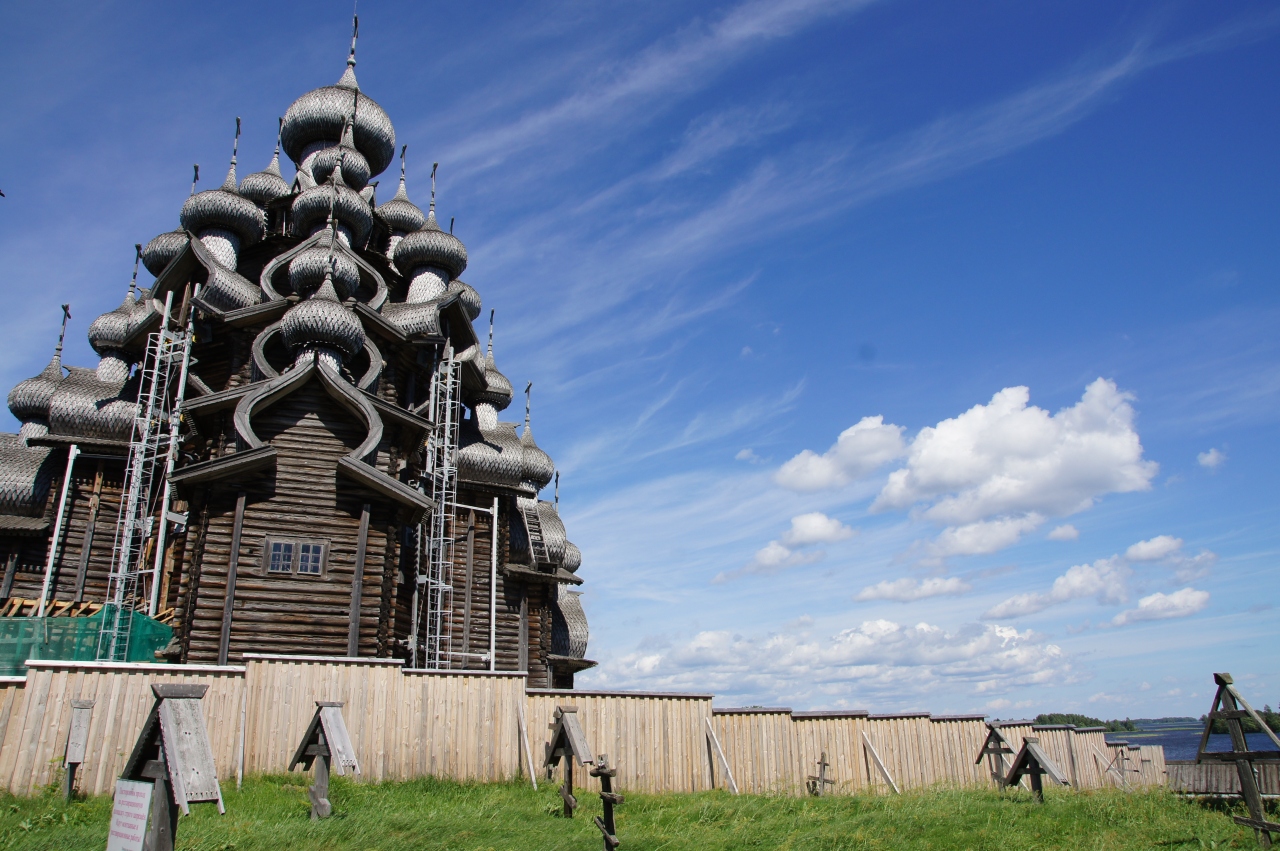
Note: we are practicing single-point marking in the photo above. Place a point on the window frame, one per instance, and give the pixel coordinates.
(295, 544)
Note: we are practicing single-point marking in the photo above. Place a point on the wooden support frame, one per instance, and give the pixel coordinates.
(357, 583)
(870, 749)
(995, 748)
(10, 568)
(470, 580)
(233, 562)
(570, 743)
(1034, 763)
(325, 743)
(524, 743)
(173, 753)
(86, 542)
(714, 751)
(1233, 708)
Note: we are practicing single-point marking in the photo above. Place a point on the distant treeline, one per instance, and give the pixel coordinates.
(1272, 720)
(1125, 726)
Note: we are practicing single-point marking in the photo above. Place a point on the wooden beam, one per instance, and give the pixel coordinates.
(714, 744)
(10, 567)
(875, 757)
(86, 543)
(357, 584)
(233, 561)
(524, 741)
(466, 610)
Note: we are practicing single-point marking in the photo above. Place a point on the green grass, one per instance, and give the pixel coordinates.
(271, 813)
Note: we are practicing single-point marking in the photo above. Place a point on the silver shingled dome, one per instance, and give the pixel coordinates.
(431, 246)
(320, 116)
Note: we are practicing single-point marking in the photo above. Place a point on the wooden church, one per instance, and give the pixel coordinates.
(291, 443)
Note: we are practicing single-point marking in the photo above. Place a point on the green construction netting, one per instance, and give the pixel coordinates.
(72, 639)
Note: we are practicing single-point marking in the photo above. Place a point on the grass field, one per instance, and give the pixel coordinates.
(271, 813)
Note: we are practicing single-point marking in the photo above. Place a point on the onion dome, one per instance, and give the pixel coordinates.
(161, 251)
(401, 215)
(108, 332)
(321, 115)
(86, 405)
(226, 289)
(321, 322)
(489, 455)
(312, 207)
(308, 269)
(497, 390)
(263, 187)
(431, 246)
(572, 557)
(225, 208)
(30, 399)
(538, 466)
(467, 297)
(355, 168)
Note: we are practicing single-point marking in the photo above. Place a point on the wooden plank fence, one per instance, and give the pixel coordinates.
(474, 725)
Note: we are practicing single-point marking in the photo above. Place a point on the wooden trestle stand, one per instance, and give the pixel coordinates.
(173, 754)
(1231, 711)
(569, 743)
(1035, 763)
(995, 749)
(77, 743)
(326, 740)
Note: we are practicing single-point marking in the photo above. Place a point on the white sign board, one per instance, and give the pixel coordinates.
(129, 815)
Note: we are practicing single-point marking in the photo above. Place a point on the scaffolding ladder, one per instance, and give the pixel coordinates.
(432, 628)
(152, 451)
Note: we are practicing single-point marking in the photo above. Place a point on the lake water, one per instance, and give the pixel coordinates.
(1182, 743)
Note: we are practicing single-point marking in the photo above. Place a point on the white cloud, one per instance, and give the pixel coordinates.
(748, 455)
(1065, 532)
(858, 451)
(1179, 604)
(1006, 458)
(1161, 546)
(877, 657)
(1106, 578)
(910, 590)
(806, 530)
(986, 536)
(1212, 459)
(815, 528)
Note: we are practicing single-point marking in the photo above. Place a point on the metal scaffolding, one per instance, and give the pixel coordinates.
(138, 554)
(431, 635)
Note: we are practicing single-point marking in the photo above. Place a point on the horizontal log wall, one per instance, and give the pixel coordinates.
(466, 726)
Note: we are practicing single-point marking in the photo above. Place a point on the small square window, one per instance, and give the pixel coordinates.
(281, 557)
(311, 558)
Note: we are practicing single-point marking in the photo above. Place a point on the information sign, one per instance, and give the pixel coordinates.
(129, 815)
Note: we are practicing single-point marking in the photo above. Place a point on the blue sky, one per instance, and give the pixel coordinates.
(1036, 241)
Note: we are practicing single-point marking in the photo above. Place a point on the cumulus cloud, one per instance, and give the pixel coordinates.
(1212, 459)
(859, 451)
(1179, 604)
(909, 590)
(1065, 532)
(1161, 546)
(986, 536)
(748, 455)
(877, 657)
(1010, 461)
(805, 531)
(815, 528)
(1107, 579)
